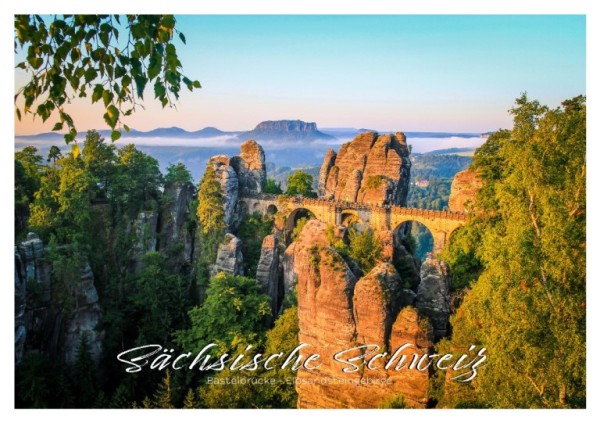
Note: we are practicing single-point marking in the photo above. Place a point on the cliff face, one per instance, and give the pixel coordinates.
(371, 168)
(229, 257)
(250, 168)
(41, 319)
(229, 181)
(463, 191)
(433, 294)
(145, 230)
(268, 272)
(174, 233)
(338, 311)
(245, 174)
(289, 130)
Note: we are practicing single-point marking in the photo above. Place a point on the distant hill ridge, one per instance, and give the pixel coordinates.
(270, 130)
(172, 132)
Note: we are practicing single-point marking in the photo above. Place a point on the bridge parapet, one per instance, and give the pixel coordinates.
(441, 223)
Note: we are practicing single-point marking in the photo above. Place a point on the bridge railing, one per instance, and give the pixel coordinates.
(424, 213)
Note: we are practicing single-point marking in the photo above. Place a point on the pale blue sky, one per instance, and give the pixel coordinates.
(411, 73)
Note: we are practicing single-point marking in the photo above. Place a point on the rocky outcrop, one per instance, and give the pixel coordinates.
(229, 257)
(433, 294)
(376, 298)
(290, 278)
(463, 191)
(244, 174)
(145, 229)
(286, 130)
(371, 168)
(268, 271)
(84, 320)
(175, 238)
(250, 168)
(328, 162)
(30, 267)
(228, 178)
(53, 322)
(337, 311)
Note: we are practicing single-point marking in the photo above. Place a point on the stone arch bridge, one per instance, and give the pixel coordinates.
(441, 224)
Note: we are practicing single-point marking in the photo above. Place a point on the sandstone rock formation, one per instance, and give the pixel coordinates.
(371, 169)
(465, 186)
(144, 227)
(84, 320)
(229, 181)
(244, 174)
(43, 322)
(328, 162)
(433, 294)
(229, 257)
(267, 271)
(290, 278)
(173, 230)
(250, 168)
(337, 311)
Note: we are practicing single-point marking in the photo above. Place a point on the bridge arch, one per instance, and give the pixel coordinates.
(440, 224)
(272, 209)
(293, 217)
(349, 217)
(422, 235)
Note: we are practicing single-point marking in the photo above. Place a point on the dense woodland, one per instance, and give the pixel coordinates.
(518, 268)
(520, 264)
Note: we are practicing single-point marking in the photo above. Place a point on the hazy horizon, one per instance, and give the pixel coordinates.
(452, 73)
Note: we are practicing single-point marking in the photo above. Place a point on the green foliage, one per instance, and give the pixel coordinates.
(190, 400)
(53, 154)
(177, 174)
(234, 309)
(163, 396)
(148, 305)
(279, 394)
(82, 55)
(300, 224)
(100, 160)
(253, 229)
(85, 375)
(67, 264)
(137, 185)
(364, 248)
(421, 240)
(300, 183)
(394, 402)
(211, 215)
(439, 166)
(374, 182)
(272, 187)
(41, 383)
(27, 182)
(461, 254)
(528, 305)
(434, 196)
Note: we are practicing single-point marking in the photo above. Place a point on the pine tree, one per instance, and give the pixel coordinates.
(211, 214)
(85, 394)
(163, 396)
(190, 400)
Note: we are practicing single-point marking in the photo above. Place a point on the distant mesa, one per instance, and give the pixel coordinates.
(288, 130)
